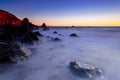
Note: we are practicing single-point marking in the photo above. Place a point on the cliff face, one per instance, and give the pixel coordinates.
(8, 18)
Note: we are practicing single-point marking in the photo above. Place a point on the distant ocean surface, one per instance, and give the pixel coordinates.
(90, 28)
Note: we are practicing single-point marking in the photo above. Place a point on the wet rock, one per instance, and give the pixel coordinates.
(55, 32)
(74, 35)
(13, 52)
(85, 70)
(38, 33)
(29, 37)
(56, 39)
(19, 55)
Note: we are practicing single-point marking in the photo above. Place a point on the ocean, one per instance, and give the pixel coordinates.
(50, 59)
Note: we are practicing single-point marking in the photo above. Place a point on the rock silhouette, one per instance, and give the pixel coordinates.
(14, 30)
(44, 27)
(55, 32)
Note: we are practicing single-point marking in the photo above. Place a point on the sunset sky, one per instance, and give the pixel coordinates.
(66, 12)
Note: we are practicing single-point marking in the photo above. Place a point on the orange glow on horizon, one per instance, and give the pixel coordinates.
(80, 23)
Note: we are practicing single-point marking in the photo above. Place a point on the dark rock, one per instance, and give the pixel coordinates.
(73, 26)
(74, 35)
(29, 37)
(56, 39)
(7, 33)
(55, 32)
(25, 20)
(38, 33)
(85, 70)
(26, 27)
(44, 27)
(22, 33)
(13, 52)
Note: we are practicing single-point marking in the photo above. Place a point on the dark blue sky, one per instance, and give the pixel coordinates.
(59, 11)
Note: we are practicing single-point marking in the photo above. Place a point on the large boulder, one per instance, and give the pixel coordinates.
(85, 70)
(13, 52)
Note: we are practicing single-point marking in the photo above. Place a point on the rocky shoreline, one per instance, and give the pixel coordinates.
(14, 31)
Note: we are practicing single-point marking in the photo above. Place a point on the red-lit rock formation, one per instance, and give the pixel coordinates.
(8, 18)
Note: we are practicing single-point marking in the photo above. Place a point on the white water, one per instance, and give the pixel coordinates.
(50, 59)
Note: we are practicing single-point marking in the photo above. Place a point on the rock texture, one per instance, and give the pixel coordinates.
(85, 70)
(12, 52)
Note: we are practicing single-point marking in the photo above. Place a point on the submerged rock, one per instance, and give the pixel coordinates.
(74, 35)
(13, 52)
(55, 32)
(85, 70)
(56, 39)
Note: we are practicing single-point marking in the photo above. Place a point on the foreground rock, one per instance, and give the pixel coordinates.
(13, 52)
(85, 70)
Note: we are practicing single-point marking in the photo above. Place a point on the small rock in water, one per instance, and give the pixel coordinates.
(74, 35)
(56, 39)
(85, 70)
(44, 26)
(55, 32)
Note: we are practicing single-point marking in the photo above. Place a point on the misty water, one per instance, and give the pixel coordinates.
(50, 59)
